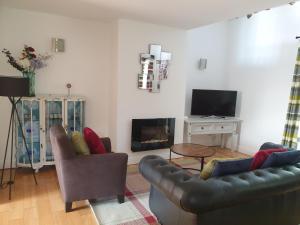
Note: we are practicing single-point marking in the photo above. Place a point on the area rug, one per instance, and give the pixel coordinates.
(135, 210)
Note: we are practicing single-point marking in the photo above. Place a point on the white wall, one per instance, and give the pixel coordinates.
(208, 42)
(133, 39)
(86, 63)
(262, 53)
(256, 57)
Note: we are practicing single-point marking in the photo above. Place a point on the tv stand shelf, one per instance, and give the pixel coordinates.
(214, 125)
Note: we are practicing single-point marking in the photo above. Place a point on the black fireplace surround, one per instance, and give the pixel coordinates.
(151, 134)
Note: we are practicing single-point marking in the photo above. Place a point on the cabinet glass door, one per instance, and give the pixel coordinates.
(54, 116)
(74, 116)
(29, 112)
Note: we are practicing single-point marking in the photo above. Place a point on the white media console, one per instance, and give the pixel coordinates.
(215, 126)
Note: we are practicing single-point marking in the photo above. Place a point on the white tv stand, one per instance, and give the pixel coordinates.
(214, 125)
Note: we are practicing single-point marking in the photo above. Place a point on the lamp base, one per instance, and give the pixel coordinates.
(14, 116)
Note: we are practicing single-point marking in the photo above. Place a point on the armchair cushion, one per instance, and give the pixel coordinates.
(80, 144)
(94, 142)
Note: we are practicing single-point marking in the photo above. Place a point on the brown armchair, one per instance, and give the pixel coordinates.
(87, 177)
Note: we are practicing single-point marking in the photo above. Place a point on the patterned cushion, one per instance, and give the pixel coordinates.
(277, 159)
(80, 144)
(94, 141)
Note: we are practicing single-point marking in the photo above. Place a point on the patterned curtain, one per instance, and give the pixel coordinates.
(290, 135)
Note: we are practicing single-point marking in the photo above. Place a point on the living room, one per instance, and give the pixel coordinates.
(247, 47)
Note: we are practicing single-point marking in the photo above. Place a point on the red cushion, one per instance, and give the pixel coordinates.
(94, 142)
(261, 156)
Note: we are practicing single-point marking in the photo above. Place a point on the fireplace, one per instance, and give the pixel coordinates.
(151, 134)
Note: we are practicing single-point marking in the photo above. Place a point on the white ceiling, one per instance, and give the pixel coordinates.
(177, 13)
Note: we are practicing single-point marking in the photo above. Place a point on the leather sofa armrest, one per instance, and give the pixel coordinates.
(270, 145)
(166, 177)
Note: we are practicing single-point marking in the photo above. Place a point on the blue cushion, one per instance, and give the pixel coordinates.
(277, 159)
(232, 167)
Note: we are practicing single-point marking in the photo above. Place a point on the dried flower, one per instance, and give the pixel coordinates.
(28, 60)
(29, 49)
(25, 63)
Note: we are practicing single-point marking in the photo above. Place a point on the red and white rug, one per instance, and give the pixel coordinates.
(134, 211)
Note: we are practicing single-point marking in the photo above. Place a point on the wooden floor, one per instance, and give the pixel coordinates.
(41, 204)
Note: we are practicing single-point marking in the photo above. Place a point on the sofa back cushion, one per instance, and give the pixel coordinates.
(62, 146)
(278, 159)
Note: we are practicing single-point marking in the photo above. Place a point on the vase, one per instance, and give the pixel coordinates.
(31, 76)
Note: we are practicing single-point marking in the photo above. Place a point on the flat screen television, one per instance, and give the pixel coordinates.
(213, 103)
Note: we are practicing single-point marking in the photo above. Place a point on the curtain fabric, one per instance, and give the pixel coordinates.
(290, 135)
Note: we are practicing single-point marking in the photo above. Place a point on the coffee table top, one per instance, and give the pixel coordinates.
(193, 150)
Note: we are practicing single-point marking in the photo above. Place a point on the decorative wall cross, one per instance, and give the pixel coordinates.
(154, 69)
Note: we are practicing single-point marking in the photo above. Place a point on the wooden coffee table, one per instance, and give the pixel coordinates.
(196, 151)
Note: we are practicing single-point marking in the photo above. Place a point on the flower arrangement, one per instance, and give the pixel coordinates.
(27, 63)
(29, 60)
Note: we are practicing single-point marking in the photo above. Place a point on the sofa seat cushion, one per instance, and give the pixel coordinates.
(94, 142)
(260, 157)
(278, 159)
(79, 144)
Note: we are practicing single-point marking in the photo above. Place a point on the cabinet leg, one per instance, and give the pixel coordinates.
(235, 142)
(189, 138)
(223, 140)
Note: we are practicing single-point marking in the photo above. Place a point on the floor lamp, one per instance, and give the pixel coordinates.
(14, 88)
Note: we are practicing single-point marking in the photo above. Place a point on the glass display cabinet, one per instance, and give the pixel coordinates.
(37, 115)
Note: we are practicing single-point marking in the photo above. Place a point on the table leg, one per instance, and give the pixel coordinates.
(202, 163)
(189, 133)
(222, 140)
(170, 155)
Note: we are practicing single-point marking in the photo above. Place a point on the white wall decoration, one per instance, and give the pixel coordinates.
(154, 69)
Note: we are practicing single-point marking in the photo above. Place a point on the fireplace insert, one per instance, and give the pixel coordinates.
(151, 134)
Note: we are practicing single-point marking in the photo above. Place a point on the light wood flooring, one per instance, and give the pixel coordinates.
(41, 204)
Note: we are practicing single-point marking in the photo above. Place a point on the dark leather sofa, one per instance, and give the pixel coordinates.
(263, 197)
(87, 177)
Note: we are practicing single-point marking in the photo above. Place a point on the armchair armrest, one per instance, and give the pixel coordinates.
(94, 176)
